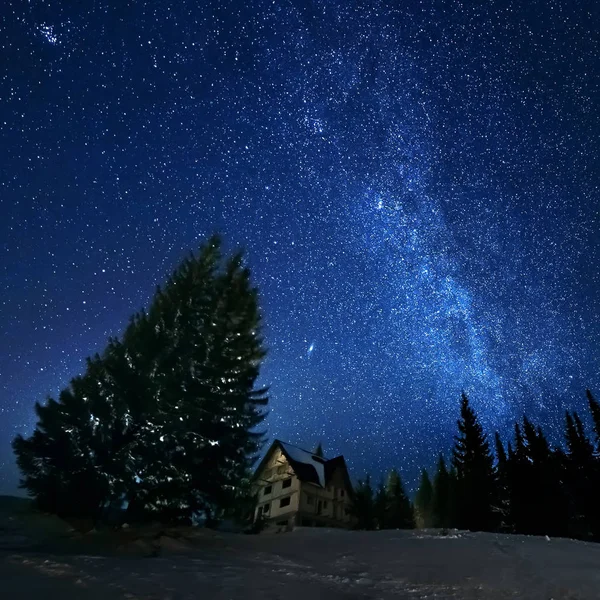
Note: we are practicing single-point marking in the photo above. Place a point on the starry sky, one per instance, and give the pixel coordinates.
(416, 185)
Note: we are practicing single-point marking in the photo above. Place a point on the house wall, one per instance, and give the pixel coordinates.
(274, 473)
(333, 503)
(328, 506)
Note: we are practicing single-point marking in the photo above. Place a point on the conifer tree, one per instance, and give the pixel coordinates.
(518, 483)
(477, 489)
(362, 506)
(380, 507)
(424, 501)
(503, 482)
(399, 512)
(319, 451)
(441, 503)
(581, 473)
(500, 452)
(166, 417)
(594, 406)
(453, 512)
(538, 501)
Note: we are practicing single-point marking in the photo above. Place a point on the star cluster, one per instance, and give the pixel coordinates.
(416, 185)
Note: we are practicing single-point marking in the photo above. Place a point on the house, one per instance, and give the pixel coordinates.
(297, 487)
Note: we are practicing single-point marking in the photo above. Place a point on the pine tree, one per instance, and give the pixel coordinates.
(581, 473)
(319, 451)
(399, 512)
(594, 406)
(503, 482)
(538, 501)
(63, 465)
(362, 505)
(380, 507)
(453, 503)
(474, 465)
(500, 452)
(166, 417)
(424, 501)
(441, 503)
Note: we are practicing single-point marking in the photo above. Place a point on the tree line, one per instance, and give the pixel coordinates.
(163, 421)
(524, 486)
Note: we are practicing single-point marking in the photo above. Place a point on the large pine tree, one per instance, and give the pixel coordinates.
(166, 418)
(476, 478)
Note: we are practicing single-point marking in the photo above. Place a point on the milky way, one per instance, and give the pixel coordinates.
(416, 186)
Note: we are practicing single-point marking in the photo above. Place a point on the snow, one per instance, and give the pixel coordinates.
(305, 457)
(306, 563)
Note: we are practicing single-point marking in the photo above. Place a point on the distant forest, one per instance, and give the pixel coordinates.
(525, 486)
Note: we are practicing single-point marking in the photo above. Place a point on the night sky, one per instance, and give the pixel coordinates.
(416, 185)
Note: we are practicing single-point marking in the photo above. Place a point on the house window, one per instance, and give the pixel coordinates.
(268, 490)
(286, 483)
(285, 501)
(324, 505)
(266, 508)
(342, 493)
(309, 499)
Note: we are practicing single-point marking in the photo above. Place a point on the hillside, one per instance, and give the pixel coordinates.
(308, 563)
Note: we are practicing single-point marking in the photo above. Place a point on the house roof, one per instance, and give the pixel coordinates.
(307, 466)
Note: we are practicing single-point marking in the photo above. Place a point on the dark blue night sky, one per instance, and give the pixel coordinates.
(417, 185)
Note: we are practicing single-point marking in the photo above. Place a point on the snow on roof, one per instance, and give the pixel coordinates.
(307, 458)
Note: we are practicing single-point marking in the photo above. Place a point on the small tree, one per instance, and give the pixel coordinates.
(399, 511)
(594, 406)
(319, 451)
(380, 507)
(424, 501)
(581, 471)
(441, 502)
(503, 493)
(362, 505)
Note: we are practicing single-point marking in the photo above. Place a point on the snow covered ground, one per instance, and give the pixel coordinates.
(309, 564)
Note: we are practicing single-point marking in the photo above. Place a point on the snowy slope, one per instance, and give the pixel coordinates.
(319, 563)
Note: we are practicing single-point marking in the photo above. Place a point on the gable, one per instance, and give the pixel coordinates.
(308, 467)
